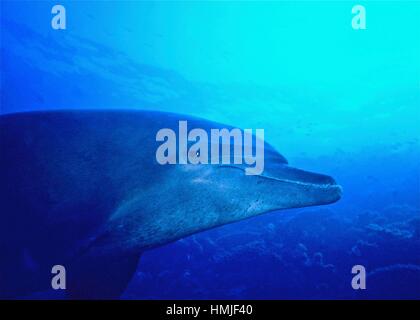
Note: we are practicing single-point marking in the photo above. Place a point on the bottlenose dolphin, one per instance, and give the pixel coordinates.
(83, 189)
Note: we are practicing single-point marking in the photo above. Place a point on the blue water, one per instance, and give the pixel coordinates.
(331, 99)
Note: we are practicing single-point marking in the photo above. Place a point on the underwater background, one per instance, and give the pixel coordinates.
(331, 99)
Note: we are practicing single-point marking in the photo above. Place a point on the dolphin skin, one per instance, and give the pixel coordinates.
(83, 189)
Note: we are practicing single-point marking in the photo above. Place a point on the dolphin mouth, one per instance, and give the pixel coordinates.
(319, 183)
(306, 180)
(332, 187)
(328, 185)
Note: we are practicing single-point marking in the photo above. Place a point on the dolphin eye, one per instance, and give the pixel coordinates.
(197, 154)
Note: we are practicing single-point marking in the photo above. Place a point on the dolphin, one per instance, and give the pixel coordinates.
(83, 189)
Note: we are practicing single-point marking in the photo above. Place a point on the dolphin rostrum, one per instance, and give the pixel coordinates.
(83, 189)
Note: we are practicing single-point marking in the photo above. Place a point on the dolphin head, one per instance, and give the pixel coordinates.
(175, 200)
(214, 195)
(282, 187)
(279, 186)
